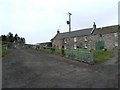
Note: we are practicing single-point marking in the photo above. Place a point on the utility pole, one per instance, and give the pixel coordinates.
(69, 22)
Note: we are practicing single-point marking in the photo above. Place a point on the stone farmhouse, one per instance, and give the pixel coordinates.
(89, 38)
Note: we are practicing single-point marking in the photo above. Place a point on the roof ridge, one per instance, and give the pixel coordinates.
(107, 26)
(76, 30)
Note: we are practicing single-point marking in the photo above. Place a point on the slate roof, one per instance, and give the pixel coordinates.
(76, 33)
(85, 32)
(106, 30)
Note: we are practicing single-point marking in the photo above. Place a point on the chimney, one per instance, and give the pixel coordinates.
(94, 27)
(58, 31)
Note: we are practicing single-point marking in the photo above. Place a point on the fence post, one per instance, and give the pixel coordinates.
(91, 57)
(63, 51)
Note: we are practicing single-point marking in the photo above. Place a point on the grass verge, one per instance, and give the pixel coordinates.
(3, 51)
(101, 56)
(98, 56)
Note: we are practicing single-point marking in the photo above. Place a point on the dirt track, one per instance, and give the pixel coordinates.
(33, 69)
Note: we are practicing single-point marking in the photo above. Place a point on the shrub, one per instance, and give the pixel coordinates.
(52, 50)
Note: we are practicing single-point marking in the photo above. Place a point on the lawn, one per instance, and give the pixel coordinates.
(101, 56)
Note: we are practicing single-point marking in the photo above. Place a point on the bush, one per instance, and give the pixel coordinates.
(52, 50)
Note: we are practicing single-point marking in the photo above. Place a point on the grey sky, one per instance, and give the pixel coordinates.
(38, 20)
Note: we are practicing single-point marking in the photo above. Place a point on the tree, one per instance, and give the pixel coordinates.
(16, 38)
(10, 37)
(22, 40)
(4, 38)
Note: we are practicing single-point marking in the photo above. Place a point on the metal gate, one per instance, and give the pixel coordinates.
(80, 54)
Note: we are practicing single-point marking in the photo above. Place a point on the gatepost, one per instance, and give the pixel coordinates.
(91, 57)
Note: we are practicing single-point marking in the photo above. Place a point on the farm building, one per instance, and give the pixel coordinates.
(46, 44)
(89, 38)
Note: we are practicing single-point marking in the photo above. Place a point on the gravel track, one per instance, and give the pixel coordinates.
(35, 69)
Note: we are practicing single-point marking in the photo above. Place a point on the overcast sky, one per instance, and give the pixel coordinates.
(38, 20)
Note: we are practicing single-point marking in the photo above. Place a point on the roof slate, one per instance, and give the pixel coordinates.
(76, 33)
(87, 31)
(106, 30)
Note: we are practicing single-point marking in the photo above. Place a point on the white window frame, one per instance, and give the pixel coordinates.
(116, 44)
(85, 38)
(65, 41)
(75, 46)
(116, 34)
(75, 39)
(65, 47)
(86, 46)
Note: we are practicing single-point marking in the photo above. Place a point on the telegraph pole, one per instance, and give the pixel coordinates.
(69, 22)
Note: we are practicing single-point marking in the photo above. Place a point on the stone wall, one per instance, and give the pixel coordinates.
(109, 41)
(57, 43)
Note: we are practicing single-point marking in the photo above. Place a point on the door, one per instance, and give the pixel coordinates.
(99, 45)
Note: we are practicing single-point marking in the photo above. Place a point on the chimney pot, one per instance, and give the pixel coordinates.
(94, 25)
(58, 31)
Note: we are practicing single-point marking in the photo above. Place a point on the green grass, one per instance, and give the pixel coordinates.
(3, 51)
(98, 56)
(52, 50)
(101, 56)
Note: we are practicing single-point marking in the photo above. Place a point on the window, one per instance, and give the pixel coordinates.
(116, 34)
(85, 46)
(75, 39)
(65, 47)
(116, 44)
(75, 47)
(85, 38)
(65, 41)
